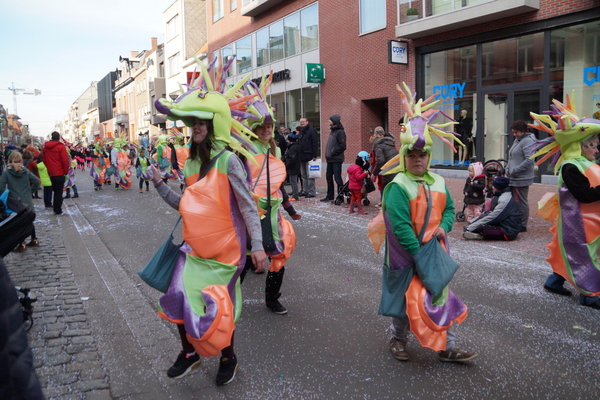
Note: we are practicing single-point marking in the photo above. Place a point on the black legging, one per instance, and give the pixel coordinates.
(189, 348)
(58, 182)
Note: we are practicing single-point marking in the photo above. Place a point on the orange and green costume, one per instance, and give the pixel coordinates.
(576, 230)
(399, 223)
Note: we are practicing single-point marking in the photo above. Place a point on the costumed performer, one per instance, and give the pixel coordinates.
(204, 297)
(181, 153)
(404, 217)
(99, 166)
(575, 209)
(141, 169)
(70, 178)
(268, 154)
(163, 158)
(121, 162)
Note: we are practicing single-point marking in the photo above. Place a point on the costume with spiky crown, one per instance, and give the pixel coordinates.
(401, 219)
(576, 229)
(122, 163)
(99, 168)
(204, 294)
(162, 157)
(182, 153)
(270, 196)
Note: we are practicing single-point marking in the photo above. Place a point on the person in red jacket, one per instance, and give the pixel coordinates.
(56, 160)
(357, 173)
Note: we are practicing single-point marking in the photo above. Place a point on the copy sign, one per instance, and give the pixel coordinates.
(397, 52)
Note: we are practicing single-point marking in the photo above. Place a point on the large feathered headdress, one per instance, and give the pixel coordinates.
(566, 135)
(418, 130)
(210, 99)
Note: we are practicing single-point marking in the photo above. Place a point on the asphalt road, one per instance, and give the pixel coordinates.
(333, 345)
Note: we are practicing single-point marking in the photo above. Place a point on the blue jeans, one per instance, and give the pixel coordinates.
(400, 330)
(555, 281)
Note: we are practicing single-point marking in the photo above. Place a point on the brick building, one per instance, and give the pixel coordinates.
(492, 60)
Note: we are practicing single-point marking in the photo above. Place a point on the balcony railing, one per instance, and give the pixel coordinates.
(437, 16)
(122, 118)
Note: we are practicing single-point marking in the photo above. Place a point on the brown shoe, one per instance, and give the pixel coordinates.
(21, 247)
(456, 355)
(398, 349)
(34, 243)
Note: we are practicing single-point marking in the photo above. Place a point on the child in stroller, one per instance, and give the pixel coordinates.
(345, 194)
(491, 169)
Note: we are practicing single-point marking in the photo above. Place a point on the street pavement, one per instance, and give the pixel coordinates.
(96, 334)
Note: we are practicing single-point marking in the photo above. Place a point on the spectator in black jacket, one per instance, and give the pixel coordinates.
(18, 379)
(292, 164)
(334, 154)
(308, 141)
(502, 222)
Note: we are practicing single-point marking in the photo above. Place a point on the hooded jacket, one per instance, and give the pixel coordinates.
(384, 149)
(56, 159)
(520, 167)
(336, 143)
(22, 183)
(473, 189)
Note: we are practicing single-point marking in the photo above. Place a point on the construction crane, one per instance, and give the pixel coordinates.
(15, 91)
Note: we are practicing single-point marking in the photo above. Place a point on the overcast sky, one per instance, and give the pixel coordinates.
(60, 47)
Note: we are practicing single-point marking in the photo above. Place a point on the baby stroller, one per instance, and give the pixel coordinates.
(491, 169)
(16, 222)
(344, 193)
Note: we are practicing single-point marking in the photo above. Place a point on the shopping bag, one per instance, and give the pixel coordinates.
(434, 266)
(314, 169)
(369, 185)
(159, 270)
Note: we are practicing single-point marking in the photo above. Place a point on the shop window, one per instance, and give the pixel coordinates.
(276, 41)
(291, 27)
(557, 53)
(372, 15)
(262, 47)
(172, 27)
(525, 55)
(243, 49)
(311, 107)
(278, 104)
(467, 63)
(227, 53)
(294, 107)
(217, 10)
(309, 19)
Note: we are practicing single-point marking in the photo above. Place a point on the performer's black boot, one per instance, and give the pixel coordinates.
(274, 281)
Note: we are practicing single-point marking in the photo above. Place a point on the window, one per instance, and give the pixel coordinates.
(227, 53)
(174, 65)
(372, 15)
(243, 49)
(172, 27)
(291, 26)
(276, 40)
(262, 47)
(217, 9)
(246, 2)
(233, 5)
(294, 107)
(309, 19)
(278, 104)
(525, 55)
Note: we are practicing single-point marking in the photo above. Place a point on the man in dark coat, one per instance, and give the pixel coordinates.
(18, 379)
(334, 154)
(308, 142)
(56, 161)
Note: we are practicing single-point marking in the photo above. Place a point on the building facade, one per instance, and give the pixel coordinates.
(491, 60)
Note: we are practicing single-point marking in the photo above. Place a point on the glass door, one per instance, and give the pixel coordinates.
(500, 109)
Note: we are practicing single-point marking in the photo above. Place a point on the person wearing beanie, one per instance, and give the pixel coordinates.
(334, 155)
(502, 221)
